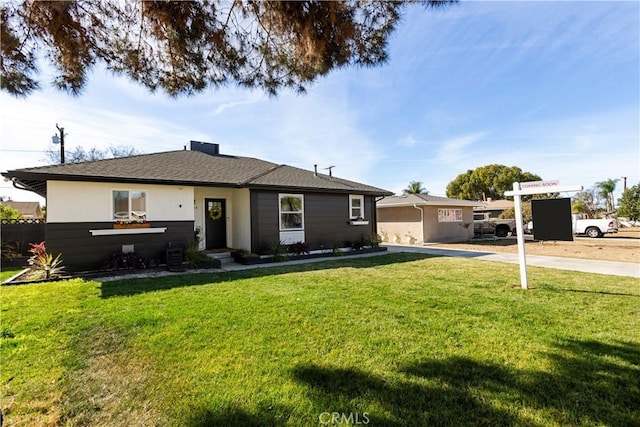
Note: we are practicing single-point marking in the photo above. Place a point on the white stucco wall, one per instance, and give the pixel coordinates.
(92, 201)
(238, 214)
(241, 236)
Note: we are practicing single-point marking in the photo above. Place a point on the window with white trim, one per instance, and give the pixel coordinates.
(356, 207)
(129, 205)
(291, 212)
(449, 215)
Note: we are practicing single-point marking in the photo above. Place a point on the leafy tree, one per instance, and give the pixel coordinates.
(183, 47)
(585, 203)
(7, 212)
(489, 181)
(415, 187)
(510, 213)
(79, 154)
(605, 190)
(629, 203)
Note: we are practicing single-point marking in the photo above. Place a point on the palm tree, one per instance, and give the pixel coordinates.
(605, 190)
(415, 187)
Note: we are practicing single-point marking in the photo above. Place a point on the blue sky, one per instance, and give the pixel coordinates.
(550, 87)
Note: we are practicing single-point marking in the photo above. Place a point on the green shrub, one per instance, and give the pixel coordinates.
(194, 256)
(278, 251)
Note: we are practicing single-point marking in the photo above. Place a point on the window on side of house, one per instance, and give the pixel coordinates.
(291, 212)
(356, 207)
(129, 205)
(449, 215)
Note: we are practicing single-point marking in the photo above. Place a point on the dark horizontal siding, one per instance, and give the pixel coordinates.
(264, 219)
(326, 220)
(81, 251)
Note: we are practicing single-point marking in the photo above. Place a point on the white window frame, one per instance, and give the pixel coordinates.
(129, 191)
(449, 215)
(353, 197)
(280, 212)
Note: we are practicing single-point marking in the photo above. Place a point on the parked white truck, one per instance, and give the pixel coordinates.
(594, 227)
(590, 227)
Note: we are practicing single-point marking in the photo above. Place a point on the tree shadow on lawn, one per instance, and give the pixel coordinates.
(126, 287)
(233, 416)
(589, 382)
(453, 252)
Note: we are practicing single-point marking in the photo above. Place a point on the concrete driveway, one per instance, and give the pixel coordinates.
(626, 269)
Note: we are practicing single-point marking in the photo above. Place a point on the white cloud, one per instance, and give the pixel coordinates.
(456, 151)
(407, 141)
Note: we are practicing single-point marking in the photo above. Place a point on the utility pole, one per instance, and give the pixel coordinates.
(59, 140)
(624, 186)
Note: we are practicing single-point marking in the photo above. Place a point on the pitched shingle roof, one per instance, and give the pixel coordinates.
(423, 200)
(26, 209)
(189, 168)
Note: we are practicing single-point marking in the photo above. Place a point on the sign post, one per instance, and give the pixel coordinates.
(531, 188)
(522, 258)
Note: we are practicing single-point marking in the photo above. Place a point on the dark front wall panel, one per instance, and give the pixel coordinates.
(326, 220)
(81, 251)
(264, 219)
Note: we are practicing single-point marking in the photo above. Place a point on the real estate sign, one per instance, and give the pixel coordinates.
(529, 188)
(552, 219)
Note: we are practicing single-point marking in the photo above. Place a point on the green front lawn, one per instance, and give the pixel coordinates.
(8, 272)
(402, 339)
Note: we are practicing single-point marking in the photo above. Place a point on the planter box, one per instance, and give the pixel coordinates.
(133, 225)
(252, 260)
(212, 263)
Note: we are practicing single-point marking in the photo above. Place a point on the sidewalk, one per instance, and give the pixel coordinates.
(627, 269)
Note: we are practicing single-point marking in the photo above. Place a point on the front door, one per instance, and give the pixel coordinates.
(215, 223)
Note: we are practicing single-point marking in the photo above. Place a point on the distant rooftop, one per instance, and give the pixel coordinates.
(423, 200)
(495, 205)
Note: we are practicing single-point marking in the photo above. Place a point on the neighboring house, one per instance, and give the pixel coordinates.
(494, 207)
(28, 210)
(236, 202)
(419, 218)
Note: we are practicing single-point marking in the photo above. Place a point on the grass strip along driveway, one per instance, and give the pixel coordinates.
(402, 339)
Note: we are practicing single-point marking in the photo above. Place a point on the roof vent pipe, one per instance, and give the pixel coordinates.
(315, 170)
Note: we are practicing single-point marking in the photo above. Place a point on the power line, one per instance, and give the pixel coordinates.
(23, 151)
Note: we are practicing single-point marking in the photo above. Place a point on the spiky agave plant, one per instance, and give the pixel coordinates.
(43, 264)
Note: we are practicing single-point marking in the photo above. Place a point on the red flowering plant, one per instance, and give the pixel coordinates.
(43, 264)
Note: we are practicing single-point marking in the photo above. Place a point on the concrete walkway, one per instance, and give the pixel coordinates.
(627, 269)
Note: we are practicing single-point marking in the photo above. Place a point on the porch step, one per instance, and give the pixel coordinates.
(224, 257)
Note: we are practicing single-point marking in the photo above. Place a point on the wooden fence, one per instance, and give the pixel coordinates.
(21, 232)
